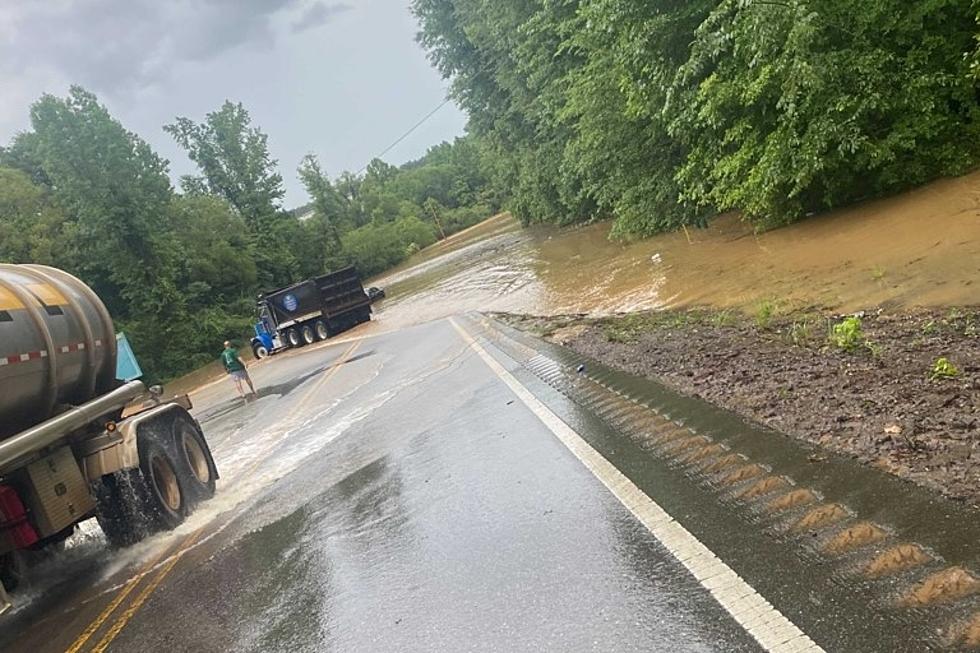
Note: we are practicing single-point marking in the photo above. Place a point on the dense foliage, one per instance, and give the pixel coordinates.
(662, 113)
(179, 271)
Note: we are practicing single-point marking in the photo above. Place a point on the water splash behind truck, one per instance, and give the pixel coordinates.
(67, 453)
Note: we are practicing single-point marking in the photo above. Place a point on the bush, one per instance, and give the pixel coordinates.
(847, 334)
(376, 247)
(943, 368)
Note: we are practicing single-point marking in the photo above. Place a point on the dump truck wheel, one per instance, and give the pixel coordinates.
(195, 464)
(260, 351)
(322, 333)
(292, 337)
(166, 488)
(308, 337)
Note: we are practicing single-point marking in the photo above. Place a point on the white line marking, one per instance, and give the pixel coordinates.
(758, 617)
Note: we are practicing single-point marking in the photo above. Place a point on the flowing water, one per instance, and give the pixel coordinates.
(918, 249)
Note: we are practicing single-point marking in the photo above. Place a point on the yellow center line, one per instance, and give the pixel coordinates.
(109, 609)
(145, 593)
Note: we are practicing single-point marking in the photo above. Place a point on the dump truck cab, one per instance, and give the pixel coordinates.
(266, 340)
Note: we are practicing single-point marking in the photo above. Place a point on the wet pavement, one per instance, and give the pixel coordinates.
(390, 491)
(397, 500)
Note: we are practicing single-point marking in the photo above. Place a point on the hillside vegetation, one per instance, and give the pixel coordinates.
(179, 269)
(666, 112)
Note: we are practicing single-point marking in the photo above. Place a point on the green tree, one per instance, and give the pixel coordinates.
(117, 192)
(33, 229)
(234, 161)
(663, 113)
(218, 259)
(328, 204)
(235, 164)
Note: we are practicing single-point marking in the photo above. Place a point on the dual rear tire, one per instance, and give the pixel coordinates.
(307, 334)
(175, 473)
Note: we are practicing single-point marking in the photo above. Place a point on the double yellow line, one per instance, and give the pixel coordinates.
(182, 548)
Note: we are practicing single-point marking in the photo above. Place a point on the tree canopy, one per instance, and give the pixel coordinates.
(179, 271)
(663, 113)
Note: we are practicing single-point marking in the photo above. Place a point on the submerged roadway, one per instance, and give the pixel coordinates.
(404, 491)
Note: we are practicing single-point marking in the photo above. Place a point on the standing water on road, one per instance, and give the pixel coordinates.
(918, 249)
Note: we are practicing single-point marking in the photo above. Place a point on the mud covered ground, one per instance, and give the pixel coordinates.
(875, 393)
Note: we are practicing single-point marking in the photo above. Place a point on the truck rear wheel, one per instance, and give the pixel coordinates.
(168, 493)
(292, 337)
(121, 499)
(322, 333)
(308, 337)
(195, 463)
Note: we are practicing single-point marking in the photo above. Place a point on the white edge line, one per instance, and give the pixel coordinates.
(767, 625)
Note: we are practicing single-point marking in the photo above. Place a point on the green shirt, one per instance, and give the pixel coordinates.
(229, 358)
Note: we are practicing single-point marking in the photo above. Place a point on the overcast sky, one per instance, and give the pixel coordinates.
(342, 80)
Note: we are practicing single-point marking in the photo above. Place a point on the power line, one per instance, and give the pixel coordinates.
(406, 134)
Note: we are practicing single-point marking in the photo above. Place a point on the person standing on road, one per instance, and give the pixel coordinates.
(235, 366)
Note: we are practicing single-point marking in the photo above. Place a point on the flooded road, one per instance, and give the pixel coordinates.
(422, 483)
(421, 489)
(919, 249)
(358, 513)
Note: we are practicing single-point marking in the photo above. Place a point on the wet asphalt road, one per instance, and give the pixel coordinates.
(384, 495)
(387, 494)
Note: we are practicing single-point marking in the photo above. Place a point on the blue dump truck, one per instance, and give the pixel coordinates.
(311, 310)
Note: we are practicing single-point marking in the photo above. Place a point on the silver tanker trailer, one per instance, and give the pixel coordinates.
(67, 452)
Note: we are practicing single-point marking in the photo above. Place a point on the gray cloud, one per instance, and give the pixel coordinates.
(116, 46)
(318, 14)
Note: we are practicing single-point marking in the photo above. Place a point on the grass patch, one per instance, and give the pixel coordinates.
(722, 319)
(629, 327)
(764, 314)
(801, 331)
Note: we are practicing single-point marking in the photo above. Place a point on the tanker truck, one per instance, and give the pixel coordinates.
(76, 442)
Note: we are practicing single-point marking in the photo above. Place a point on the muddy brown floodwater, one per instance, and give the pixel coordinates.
(918, 249)
(904, 260)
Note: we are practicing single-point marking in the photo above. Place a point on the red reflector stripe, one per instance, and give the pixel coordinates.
(23, 358)
(35, 355)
